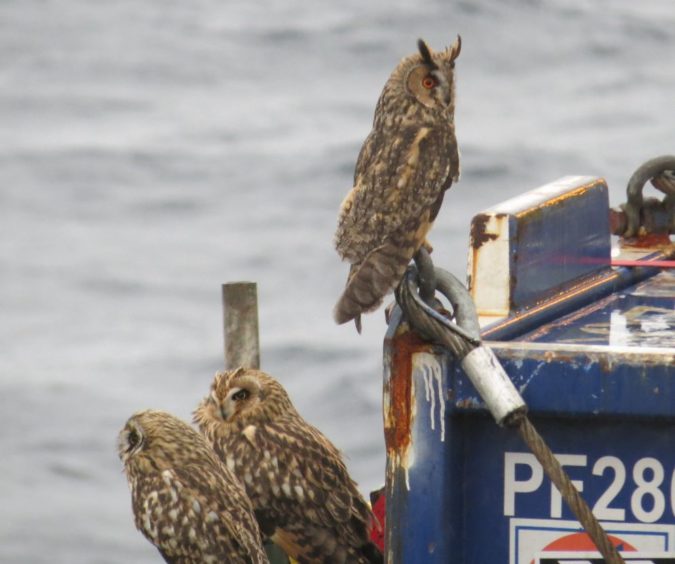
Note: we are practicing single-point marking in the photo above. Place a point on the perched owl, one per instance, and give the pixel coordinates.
(302, 495)
(407, 162)
(185, 501)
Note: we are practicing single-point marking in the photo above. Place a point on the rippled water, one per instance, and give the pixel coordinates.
(150, 151)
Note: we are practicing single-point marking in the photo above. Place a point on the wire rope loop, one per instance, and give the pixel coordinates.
(459, 336)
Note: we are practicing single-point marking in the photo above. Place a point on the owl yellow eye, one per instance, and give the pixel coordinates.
(241, 395)
(429, 82)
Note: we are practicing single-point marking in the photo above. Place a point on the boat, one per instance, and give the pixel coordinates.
(583, 325)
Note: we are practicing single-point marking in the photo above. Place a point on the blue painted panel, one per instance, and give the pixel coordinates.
(452, 507)
(573, 384)
(636, 448)
(597, 288)
(421, 490)
(468, 491)
(557, 243)
(640, 316)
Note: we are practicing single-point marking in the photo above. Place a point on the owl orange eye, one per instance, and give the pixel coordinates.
(241, 395)
(429, 82)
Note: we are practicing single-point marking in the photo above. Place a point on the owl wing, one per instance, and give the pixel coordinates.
(220, 514)
(313, 492)
(387, 215)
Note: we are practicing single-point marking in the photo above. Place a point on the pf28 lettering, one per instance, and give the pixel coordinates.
(651, 491)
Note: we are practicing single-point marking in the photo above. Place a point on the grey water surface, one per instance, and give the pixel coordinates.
(150, 151)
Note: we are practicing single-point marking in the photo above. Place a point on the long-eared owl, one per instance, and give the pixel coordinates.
(407, 162)
(185, 501)
(303, 497)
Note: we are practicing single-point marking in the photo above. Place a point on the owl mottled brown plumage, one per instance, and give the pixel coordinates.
(407, 162)
(302, 495)
(185, 501)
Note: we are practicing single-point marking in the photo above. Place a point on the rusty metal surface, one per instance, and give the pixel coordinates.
(418, 492)
(479, 231)
(530, 248)
(639, 316)
(575, 297)
(646, 216)
(590, 348)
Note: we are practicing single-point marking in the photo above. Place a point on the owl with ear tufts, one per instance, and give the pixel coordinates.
(407, 162)
(302, 495)
(185, 501)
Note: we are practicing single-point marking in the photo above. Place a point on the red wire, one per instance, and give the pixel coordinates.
(650, 263)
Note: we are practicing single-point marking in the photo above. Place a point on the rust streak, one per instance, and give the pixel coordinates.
(551, 202)
(399, 418)
(648, 240)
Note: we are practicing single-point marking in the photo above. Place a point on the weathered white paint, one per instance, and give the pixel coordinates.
(490, 380)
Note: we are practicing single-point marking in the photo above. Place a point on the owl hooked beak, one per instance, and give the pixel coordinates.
(225, 413)
(225, 409)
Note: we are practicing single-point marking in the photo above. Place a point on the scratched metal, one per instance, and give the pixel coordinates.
(641, 316)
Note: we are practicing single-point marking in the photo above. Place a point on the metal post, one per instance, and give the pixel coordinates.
(242, 348)
(240, 320)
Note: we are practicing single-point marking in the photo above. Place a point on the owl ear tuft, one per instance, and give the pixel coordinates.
(452, 52)
(426, 53)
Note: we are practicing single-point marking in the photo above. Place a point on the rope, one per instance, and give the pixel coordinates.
(460, 338)
(569, 493)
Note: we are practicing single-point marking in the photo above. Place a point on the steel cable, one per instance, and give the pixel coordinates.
(460, 337)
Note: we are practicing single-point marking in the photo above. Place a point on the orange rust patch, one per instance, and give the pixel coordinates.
(648, 240)
(557, 200)
(398, 420)
(479, 235)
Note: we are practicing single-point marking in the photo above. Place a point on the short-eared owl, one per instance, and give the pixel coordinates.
(185, 501)
(407, 162)
(302, 495)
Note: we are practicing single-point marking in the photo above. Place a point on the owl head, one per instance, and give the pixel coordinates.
(243, 396)
(156, 438)
(426, 78)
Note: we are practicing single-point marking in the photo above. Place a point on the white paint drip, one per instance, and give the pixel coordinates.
(432, 373)
(407, 477)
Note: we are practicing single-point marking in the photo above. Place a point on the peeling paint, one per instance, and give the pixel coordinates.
(479, 235)
(469, 403)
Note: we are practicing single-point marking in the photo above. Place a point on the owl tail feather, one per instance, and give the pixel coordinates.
(370, 281)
